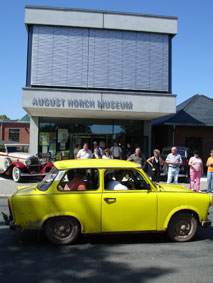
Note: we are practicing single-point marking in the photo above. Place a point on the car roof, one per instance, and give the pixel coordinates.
(95, 163)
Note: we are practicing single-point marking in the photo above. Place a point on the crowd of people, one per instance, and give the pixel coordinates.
(114, 152)
(173, 161)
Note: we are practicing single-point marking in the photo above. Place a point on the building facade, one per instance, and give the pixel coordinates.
(190, 126)
(14, 130)
(96, 75)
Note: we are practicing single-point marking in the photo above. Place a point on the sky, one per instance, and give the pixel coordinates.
(192, 52)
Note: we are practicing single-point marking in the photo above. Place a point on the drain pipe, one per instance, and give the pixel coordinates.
(173, 136)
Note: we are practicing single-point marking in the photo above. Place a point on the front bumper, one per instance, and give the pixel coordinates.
(206, 223)
(33, 174)
(10, 222)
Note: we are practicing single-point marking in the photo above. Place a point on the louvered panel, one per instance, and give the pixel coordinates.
(156, 62)
(166, 63)
(91, 59)
(77, 57)
(60, 52)
(129, 60)
(35, 50)
(45, 56)
(115, 59)
(85, 57)
(142, 61)
(101, 59)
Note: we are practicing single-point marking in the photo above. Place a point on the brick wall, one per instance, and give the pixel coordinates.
(163, 135)
(24, 131)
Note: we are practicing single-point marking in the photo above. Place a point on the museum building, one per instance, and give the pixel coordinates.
(96, 75)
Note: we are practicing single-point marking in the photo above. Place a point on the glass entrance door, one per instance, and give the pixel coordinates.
(90, 139)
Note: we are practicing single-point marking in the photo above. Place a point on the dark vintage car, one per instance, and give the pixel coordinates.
(185, 155)
(16, 161)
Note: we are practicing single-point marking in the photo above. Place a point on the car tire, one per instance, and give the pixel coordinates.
(182, 227)
(62, 230)
(16, 174)
(7, 163)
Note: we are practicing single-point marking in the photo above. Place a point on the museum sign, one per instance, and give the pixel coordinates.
(82, 104)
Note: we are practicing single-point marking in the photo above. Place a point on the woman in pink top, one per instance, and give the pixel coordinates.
(196, 169)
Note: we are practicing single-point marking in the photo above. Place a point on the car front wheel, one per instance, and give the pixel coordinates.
(62, 230)
(182, 227)
(16, 174)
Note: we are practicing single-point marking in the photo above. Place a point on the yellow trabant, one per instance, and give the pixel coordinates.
(106, 196)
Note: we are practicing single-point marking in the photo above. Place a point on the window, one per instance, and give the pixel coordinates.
(14, 134)
(22, 148)
(124, 179)
(2, 148)
(80, 180)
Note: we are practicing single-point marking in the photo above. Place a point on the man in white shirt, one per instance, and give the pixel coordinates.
(174, 161)
(84, 153)
(115, 185)
(116, 151)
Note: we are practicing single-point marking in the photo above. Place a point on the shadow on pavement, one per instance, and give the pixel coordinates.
(26, 258)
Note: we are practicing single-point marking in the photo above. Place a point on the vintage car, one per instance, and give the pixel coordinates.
(106, 196)
(16, 161)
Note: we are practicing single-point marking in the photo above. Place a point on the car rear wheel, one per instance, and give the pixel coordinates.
(7, 163)
(62, 230)
(16, 174)
(182, 227)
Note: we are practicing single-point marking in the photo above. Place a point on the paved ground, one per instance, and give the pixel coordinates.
(8, 186)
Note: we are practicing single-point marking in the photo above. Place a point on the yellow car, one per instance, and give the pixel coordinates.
(105, 196)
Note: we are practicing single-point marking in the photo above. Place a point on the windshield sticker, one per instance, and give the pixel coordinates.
(59, 176)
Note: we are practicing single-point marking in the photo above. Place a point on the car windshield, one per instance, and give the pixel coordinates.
(48, 179)
(17, 148)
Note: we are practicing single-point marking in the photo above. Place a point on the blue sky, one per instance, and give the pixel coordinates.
(192, 55)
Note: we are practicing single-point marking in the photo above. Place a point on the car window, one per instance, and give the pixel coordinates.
(80, 180)
(124, 179)
(48, 179)
(23, 148)
(2, 148)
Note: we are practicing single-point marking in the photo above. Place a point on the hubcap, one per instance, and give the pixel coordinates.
(183, 227)
(16, 173)
(62, 229)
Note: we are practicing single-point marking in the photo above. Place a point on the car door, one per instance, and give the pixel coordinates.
(129, 210)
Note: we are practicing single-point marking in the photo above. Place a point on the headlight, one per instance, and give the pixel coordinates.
(27, 162)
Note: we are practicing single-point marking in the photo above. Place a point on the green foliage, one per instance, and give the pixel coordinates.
(4, 117)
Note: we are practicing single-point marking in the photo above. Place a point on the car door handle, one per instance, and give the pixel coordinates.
(110, 199)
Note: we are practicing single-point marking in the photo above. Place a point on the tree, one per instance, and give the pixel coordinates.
(4, 117)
